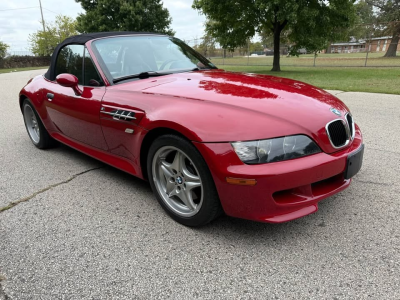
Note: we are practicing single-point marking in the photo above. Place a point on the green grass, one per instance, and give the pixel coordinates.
(373, 80)
(328, 60)
(21, 69)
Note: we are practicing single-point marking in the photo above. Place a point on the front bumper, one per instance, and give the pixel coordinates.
(285, 190)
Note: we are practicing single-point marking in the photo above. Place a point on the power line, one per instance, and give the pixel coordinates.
(19, 8)
(51, 11)
(30, 8)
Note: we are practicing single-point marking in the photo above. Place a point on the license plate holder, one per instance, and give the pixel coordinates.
(354, 163)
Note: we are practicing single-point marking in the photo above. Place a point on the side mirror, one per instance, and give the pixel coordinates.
(69, 80)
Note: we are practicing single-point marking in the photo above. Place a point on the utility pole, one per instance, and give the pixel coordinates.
(369, 45)
(44, 26)
(41, 11)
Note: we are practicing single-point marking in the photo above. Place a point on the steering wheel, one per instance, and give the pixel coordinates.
(146, 66)
(142, 66)
(166, 63)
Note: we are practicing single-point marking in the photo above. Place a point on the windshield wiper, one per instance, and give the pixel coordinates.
(141, 75)
(197, 69)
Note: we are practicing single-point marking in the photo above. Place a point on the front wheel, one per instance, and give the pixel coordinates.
(182, 182)
(35, 128)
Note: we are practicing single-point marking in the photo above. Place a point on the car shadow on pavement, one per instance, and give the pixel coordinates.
(225, 229)
(308, 229)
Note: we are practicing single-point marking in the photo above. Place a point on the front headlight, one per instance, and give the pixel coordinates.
(278, 149)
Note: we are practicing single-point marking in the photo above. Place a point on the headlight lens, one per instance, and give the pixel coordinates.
(273, 150)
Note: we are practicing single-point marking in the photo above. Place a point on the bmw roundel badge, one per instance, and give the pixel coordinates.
(336, 111)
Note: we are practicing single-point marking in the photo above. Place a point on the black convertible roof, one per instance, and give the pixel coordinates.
(81, 39)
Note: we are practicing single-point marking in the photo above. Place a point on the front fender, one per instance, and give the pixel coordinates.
(33, 91)
(168, 124)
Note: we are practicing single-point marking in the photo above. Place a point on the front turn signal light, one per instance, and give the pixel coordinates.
(241, 181)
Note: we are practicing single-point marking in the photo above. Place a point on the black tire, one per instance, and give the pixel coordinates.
(45, 140)
(211, 206)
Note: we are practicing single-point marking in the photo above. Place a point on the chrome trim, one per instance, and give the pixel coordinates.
(106, 112)
(353, 127)
(347, 131)
(119, 114)
(129, 130)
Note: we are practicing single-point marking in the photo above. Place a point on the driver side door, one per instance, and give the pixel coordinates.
(77, 116)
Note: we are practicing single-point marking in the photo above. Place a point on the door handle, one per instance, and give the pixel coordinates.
(50, 96)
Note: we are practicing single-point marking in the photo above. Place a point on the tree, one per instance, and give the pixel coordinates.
(124, 15)
(207, 46)
(364, 26)
(388, 11)
(309, 22)
(256, 47)
(267, 39)
(320, 23)
(3, 49)
(44, 42)
(365, 19)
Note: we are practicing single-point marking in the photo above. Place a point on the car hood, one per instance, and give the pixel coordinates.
(255, 106)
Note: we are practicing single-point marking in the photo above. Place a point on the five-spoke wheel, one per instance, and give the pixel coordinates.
(31, 124)
(177, 181)
(181, 180)
(34, 126)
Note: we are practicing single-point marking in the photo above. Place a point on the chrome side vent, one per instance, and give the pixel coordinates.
(121, 115)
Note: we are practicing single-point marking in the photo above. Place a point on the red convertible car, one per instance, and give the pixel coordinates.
(253, 146)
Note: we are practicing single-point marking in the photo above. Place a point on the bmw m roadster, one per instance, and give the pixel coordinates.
(252, 146)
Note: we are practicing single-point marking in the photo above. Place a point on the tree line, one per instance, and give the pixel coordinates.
(309, 24)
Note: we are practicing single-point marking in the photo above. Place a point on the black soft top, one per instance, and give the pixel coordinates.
(81, 39)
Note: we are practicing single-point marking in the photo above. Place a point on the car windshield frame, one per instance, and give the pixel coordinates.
(205, 64)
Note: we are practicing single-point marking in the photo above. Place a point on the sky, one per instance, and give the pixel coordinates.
(16, 24)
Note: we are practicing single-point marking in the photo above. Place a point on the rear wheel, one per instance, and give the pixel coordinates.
(34, 126)
(182, 181)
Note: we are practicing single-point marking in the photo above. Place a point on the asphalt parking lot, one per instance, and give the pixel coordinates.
(84, 230)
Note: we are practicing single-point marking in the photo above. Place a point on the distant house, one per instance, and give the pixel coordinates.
(378, 44)
(349, 47)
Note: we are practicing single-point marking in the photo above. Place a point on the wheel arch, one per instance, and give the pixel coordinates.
(149, 138)
(22, 98)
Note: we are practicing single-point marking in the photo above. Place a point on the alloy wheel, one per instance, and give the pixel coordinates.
(32, 124)
(177, 181)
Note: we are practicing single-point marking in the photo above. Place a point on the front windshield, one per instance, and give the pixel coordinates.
(130, 55)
